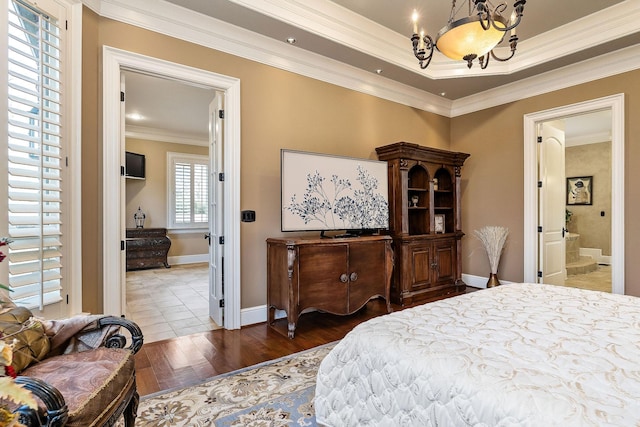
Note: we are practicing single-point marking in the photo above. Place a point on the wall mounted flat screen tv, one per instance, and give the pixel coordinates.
(322, 192)
(134, 165)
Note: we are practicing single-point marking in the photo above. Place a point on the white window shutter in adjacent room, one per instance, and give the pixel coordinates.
(188, 177)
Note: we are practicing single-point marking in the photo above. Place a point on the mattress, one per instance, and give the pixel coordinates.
(513, 355)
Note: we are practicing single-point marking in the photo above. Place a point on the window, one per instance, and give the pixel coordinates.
(34, 160)
(188, 190)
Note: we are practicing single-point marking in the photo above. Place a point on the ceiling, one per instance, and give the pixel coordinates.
(167, 110)
(375, 35)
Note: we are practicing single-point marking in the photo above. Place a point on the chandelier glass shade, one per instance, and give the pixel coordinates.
(471, 37)
(467, 37)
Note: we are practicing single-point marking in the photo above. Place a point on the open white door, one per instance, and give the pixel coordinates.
(216, 224)
(123, 203)
(551, 216)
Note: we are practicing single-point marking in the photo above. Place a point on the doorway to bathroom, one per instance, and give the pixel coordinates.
(574, 219)
(588, 200)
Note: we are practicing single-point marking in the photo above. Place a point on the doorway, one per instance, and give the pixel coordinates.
(533, 252)
(168, 123)
(575, 201)
(114, 62)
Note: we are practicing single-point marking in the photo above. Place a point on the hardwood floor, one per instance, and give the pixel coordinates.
(188, 360)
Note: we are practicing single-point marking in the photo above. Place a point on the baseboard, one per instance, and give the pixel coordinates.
(188, 259)
(258, 314)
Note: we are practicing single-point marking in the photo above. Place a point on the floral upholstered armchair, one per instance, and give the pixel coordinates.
(80, 370)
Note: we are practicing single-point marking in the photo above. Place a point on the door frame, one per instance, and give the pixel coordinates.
(114, 61)
(615, 103)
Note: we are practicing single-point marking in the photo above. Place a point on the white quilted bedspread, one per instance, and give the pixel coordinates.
(514, 355)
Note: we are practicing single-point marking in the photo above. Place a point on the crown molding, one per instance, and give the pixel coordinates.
(347, 28)
(168, 19)
(94, 5)
(592, 138)
(609, 24)
(600, 67)
(343, 26)
(338, 24)
(171, 20)
(153, 134)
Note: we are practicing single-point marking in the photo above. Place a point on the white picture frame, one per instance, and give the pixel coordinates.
(439, 223)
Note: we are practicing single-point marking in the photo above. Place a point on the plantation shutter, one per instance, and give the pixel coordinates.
(189, 204)
(200, 193)
(183, 193)
(34, 157)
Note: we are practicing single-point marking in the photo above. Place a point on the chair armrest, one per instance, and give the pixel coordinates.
(118, 340)
(57, 411)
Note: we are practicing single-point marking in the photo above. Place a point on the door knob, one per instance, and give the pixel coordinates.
(344, 278)
(353, 277)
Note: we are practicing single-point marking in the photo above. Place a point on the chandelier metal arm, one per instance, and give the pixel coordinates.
(484, 61)
(518, 9)
(483, 14)
(486, 15)
(423, 49)
(513, 43)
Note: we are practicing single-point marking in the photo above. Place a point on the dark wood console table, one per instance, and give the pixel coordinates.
(338, 276)
(147, 248)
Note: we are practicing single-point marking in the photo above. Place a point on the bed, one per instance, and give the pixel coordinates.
(513, 355)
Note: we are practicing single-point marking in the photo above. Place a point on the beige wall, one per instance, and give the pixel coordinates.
(285, 110)
(493, 175)
(91, 166)
(592, 160)
(151, 193)
(279, 110)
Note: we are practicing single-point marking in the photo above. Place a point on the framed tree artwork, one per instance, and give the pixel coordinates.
(323, 192)
(580, 190)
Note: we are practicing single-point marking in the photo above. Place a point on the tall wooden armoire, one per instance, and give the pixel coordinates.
(425, 221)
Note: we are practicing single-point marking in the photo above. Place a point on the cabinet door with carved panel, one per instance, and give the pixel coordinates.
(443, 263)
(322, 270)
(420, 266)
(366, 277)
(427, 270)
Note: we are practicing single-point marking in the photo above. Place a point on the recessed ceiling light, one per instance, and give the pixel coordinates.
(291, 40)
(443, 93)
(379, 71)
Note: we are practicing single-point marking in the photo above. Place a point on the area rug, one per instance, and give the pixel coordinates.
(275, 393)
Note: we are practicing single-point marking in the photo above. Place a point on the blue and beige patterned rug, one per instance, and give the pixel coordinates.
(273, 394)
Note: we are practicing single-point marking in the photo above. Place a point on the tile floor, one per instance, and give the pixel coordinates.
(599, 280)
(169, 302)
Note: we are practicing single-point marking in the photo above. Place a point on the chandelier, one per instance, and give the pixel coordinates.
(470, 37)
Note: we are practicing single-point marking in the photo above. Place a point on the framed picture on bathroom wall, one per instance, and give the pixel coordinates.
(580, 190)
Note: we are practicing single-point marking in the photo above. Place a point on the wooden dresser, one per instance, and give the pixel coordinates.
(147, 248)
(335, 275)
